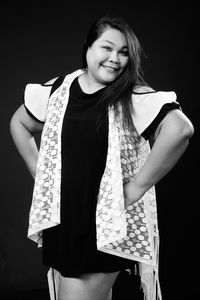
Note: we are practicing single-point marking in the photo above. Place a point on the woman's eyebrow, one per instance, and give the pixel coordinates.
(108, 42)
(114, 43)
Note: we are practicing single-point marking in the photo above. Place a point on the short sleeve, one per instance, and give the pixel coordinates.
(146, 106)
(150, 130)
(36, 98)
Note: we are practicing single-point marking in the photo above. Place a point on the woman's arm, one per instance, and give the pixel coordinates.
(171, 140)
(22, 129)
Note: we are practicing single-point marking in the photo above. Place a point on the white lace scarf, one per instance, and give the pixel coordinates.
(131, 233)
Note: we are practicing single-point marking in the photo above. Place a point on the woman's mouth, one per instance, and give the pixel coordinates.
(110, 68)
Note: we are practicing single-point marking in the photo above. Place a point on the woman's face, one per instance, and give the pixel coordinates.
(107, 57)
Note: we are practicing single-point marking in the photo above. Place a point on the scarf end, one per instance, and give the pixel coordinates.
(53, 282)
(150, 285)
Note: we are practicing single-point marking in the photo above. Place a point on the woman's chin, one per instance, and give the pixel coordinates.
(108, 78)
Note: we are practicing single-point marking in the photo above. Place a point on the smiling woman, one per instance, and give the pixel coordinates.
(106, 58)
(94, 205)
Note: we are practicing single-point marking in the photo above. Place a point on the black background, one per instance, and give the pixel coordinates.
(41, 41)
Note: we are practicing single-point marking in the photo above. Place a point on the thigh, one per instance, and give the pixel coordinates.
(92, 286)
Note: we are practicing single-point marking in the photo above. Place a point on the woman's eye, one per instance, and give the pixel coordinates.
(107, 48)
(124, 52)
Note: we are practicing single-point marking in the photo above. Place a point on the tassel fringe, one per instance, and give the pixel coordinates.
(150, 277)
(53, 282)
(151, 286)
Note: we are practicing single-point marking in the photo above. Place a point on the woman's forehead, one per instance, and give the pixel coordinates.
(114, 36)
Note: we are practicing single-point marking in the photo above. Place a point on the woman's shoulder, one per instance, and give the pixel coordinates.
(51, 81)
(143, 89)
(146, 95)
(59, 79)
(55, 83)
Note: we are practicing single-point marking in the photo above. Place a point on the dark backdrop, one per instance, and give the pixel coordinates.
(40, 42)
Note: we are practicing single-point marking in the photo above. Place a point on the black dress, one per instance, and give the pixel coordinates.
(70, 247)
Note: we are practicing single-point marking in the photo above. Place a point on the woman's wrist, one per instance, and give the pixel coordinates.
(133, 192)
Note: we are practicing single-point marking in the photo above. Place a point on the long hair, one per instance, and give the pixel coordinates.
(121, 89)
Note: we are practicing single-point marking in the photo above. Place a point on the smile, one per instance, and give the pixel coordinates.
(112, 69)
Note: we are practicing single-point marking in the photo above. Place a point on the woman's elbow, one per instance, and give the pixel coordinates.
(16, 124)
(187, 130)
(13, 123)
(179, 125)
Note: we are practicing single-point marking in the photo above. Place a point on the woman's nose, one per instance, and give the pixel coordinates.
(114, 57)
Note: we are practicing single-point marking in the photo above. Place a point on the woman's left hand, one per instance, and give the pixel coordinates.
(132, 193)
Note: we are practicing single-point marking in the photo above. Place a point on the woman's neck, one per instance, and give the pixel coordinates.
(88, 84)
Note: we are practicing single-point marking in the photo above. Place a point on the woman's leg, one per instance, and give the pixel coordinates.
(94, 286)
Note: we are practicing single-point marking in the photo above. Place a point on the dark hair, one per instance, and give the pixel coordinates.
(121, 89)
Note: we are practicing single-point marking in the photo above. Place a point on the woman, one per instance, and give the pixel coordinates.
(94, 207)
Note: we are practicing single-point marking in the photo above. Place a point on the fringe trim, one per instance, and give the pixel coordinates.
(53, 277)
(149, 276)
(151, 286)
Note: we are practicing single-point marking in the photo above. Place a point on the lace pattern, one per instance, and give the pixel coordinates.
(131, 232)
